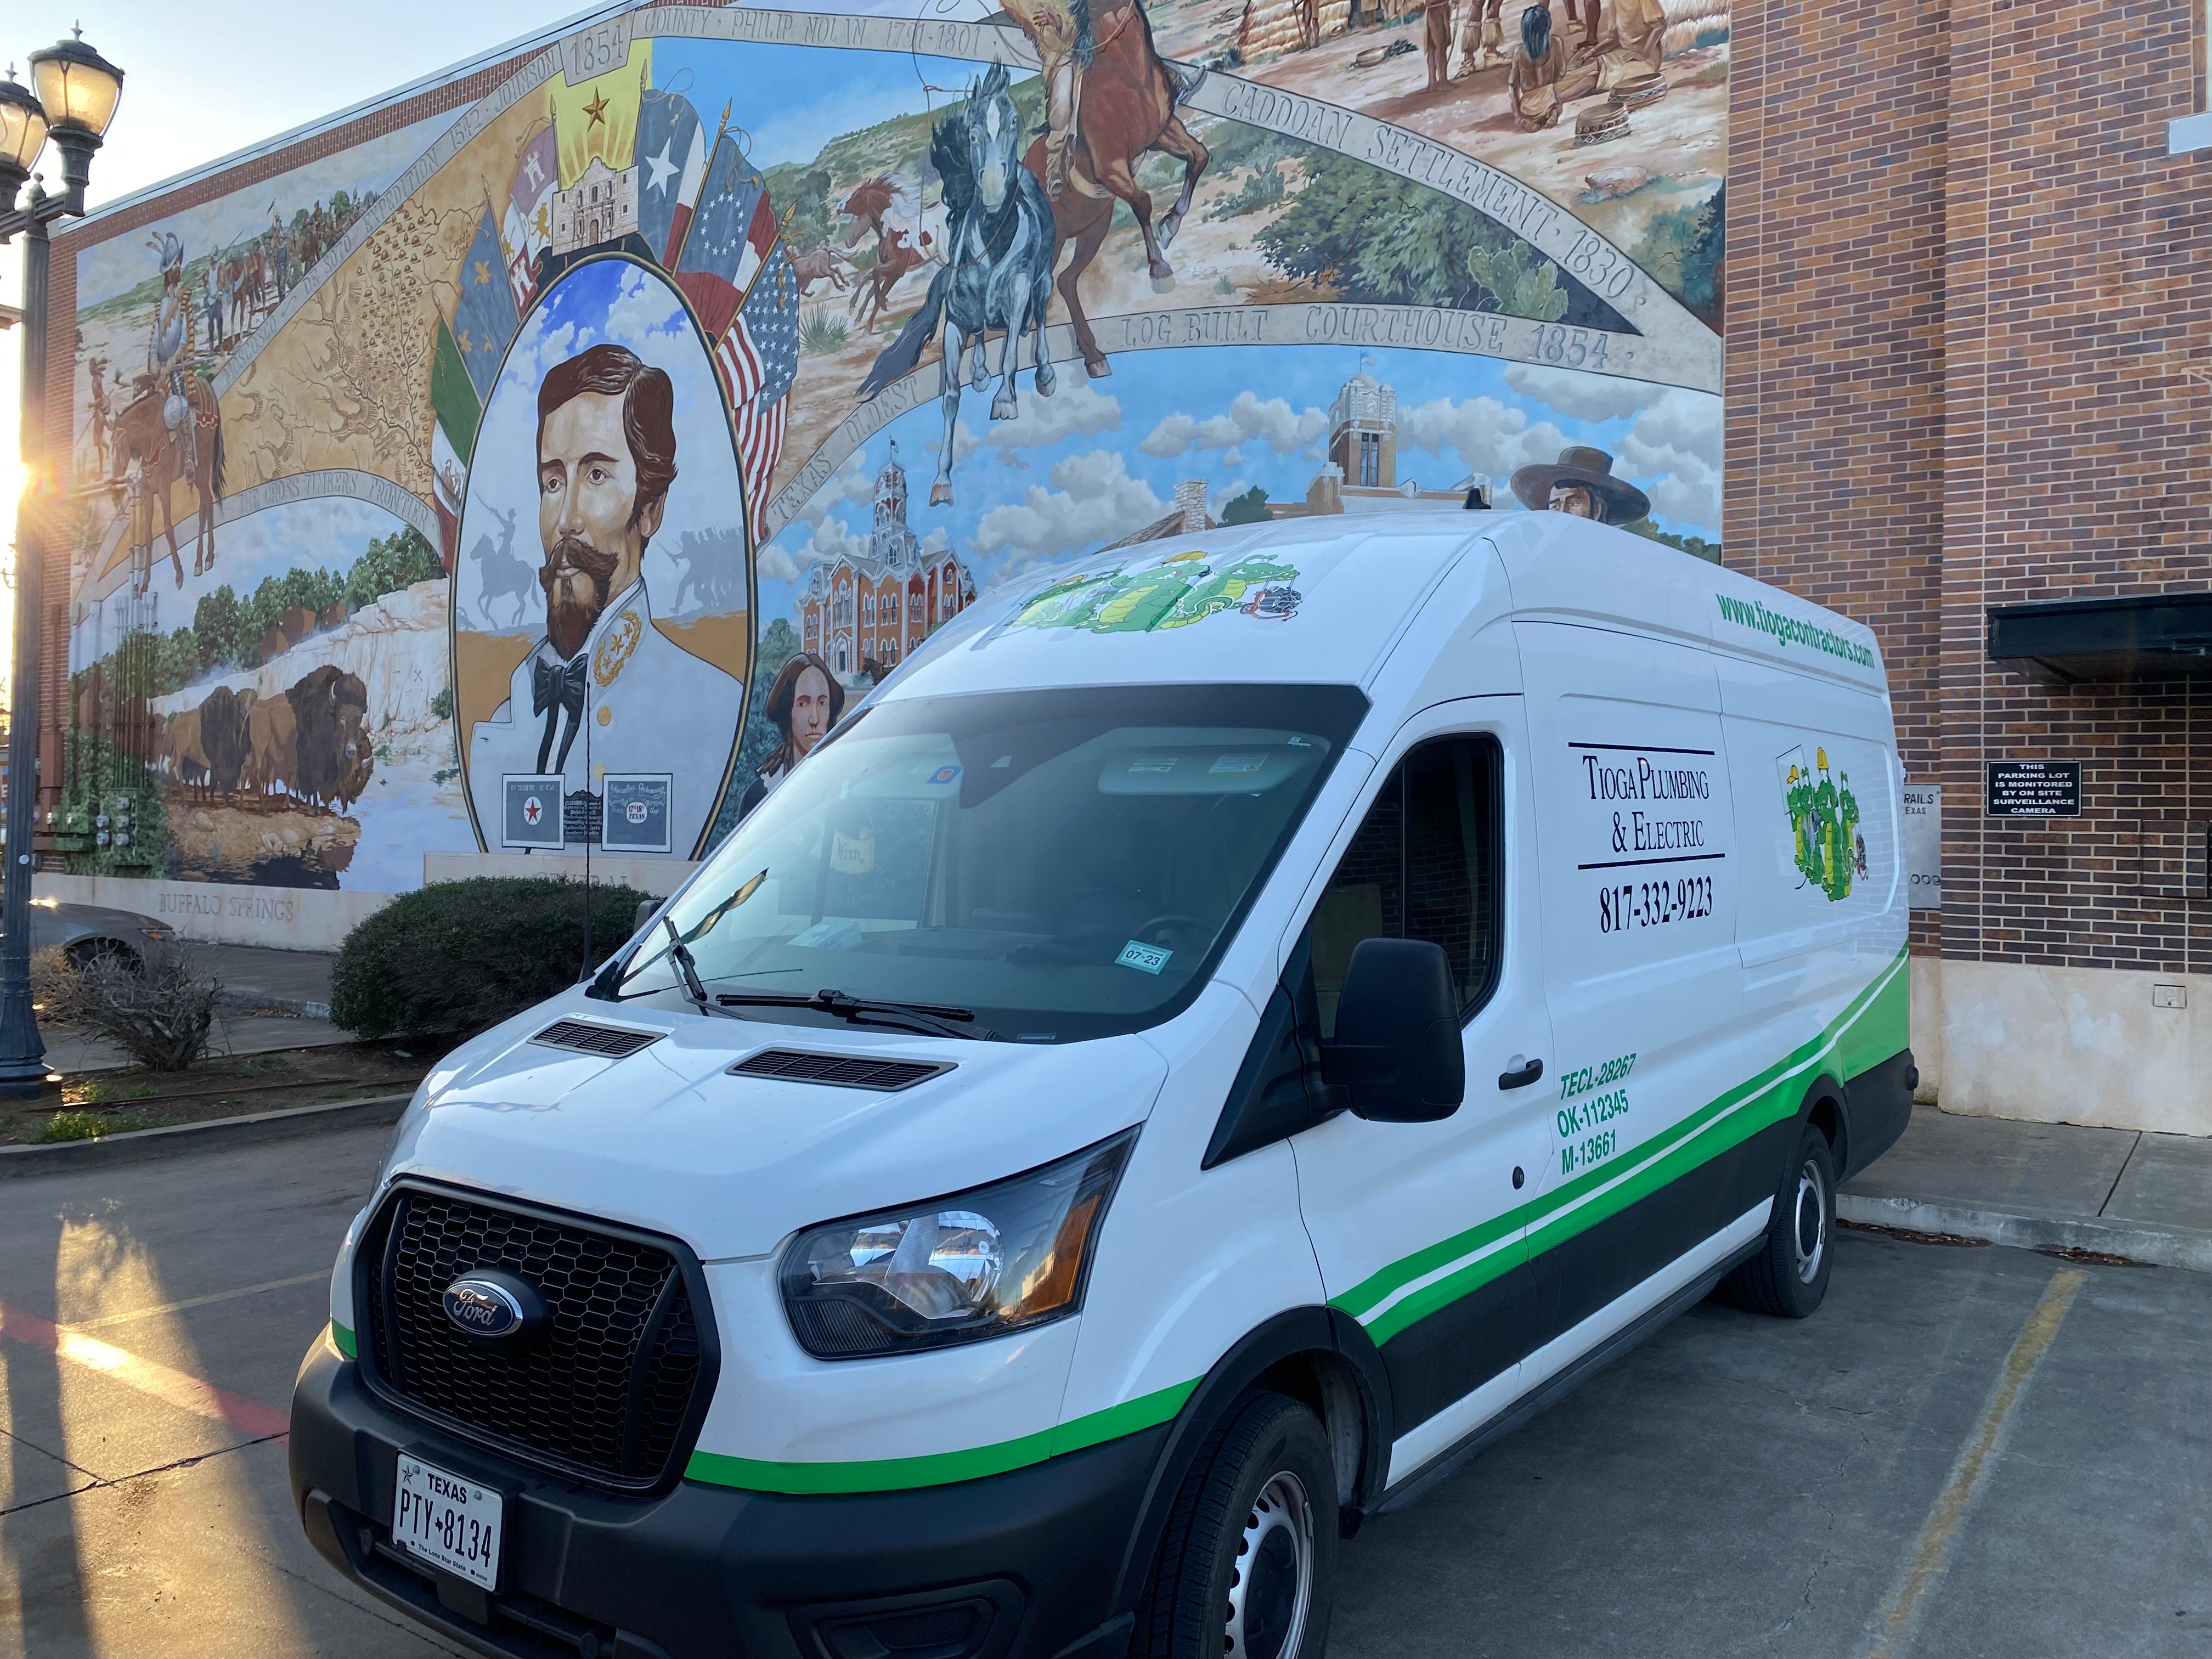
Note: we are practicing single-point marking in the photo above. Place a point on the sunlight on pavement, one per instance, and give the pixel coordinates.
(138, 1450)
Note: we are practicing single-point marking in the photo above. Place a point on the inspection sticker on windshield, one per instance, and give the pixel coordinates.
(1235, 764)
(1144, 958)
(1151, 764)
(945, 774)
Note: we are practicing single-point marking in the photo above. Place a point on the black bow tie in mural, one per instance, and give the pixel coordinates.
(555, 686)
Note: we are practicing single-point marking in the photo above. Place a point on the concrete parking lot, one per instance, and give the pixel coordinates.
(1970, 1450)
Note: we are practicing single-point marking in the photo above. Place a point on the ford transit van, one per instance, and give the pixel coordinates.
(1224, 1032)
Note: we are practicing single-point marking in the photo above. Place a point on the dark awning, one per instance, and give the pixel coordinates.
(2145, 636)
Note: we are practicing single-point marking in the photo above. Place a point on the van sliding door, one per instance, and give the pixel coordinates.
(1637, 863)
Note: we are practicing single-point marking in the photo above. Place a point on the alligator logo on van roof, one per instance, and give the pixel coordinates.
(1170, 593)
(1823, 823)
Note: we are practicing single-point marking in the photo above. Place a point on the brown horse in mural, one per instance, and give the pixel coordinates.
(166, 459)
(1126, 106)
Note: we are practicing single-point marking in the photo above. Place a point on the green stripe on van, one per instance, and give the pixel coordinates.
(942, 1468)
(1872, 1028)
(344, 1337)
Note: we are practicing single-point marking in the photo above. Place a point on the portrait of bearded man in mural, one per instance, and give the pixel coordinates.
(606, 460)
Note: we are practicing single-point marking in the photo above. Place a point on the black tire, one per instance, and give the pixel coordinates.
(1789, 1277)
(88, 953)
(1229, 1583)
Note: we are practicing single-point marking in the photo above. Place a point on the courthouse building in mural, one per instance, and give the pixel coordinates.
(863, 612)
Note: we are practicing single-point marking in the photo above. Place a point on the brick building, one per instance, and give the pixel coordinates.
(1969, 387)
(877, 607)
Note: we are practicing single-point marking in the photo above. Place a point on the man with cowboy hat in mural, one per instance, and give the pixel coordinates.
(1582, 482)
(168, 344)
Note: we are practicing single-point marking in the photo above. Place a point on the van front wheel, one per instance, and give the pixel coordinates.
(1788, 1276)
(1249, 1560)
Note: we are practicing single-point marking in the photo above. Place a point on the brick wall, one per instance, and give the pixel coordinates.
(1970, 298)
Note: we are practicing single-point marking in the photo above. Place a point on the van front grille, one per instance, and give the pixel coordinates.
(605, 1391)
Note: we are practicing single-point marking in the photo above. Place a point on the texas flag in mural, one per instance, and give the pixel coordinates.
(672, 158)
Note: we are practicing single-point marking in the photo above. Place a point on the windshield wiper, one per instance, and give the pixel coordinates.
(680, 954)
(942, 1019)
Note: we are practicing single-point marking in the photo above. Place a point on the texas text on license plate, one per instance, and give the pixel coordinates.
(450, 1522)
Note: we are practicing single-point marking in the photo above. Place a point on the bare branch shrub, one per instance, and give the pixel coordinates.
(161, 1012)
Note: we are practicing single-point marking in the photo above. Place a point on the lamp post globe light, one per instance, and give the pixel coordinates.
(70, 101)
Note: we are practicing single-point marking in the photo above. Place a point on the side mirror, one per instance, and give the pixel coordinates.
(1397, 1045)
(646, 907)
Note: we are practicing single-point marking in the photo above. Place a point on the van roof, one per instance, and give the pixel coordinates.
(1321, 600)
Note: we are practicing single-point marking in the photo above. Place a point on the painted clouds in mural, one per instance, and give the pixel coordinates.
(715, 342)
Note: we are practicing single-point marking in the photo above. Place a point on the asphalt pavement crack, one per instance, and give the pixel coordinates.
(96, 1483)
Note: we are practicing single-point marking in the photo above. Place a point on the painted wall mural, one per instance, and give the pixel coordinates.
(548, 471)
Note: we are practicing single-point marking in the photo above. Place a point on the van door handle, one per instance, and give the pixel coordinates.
(1521, 1078)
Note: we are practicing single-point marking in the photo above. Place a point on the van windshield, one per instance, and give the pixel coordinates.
(1051, 866)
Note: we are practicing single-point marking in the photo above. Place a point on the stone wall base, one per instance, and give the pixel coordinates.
(2064, 1045)
(316, 918)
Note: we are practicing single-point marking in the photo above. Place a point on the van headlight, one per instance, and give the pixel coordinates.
(979, 1264)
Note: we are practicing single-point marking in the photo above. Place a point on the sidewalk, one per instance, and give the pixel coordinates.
(2043, 1186)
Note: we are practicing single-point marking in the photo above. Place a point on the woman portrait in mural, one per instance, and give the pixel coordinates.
(804, 703)
(605, 428)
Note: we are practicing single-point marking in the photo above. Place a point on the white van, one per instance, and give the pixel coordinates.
(1223, 1034)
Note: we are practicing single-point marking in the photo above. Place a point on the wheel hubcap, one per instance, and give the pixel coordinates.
(1271, 1586)
(1810, 1233)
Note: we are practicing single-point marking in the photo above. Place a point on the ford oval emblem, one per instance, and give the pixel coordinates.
(491, 1303)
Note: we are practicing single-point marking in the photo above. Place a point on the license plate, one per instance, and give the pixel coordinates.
(450, 1522)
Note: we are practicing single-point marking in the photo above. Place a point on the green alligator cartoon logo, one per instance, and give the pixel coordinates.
(1170, 593)
(1823, 823)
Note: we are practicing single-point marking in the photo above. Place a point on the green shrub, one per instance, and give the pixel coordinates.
(90, 1125)
(456, 957)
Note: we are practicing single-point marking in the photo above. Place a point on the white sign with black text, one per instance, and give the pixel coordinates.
(1924, 845)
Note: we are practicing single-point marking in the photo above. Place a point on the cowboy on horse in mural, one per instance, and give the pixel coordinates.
(161, 428)
(1067, 34)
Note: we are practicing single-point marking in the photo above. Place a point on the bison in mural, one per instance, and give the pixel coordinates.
(330, 708)
(272, 747)
(179, 755)
(223, 714)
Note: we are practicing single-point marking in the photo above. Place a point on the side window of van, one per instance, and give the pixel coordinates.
(1424, 865)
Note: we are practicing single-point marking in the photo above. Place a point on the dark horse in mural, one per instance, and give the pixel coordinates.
(1000, 245)
(167, 457)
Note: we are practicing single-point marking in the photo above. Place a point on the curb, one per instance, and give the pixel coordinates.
(2156, 1246)
(140, 1145)
(298, 1006)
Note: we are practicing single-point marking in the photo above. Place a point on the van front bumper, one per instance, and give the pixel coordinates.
(1013, 1565)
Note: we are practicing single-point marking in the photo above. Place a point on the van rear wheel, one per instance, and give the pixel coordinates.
(1248, 1564)
(1788, 1276)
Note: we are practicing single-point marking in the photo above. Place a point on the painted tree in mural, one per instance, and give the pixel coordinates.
(1385, 240)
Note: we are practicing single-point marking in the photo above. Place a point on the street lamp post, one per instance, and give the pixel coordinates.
(75, 99)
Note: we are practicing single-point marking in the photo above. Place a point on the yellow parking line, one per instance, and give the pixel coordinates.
(1931, 1551)
(201, 1301)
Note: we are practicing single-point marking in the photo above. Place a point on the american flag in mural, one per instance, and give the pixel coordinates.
(759, 359)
